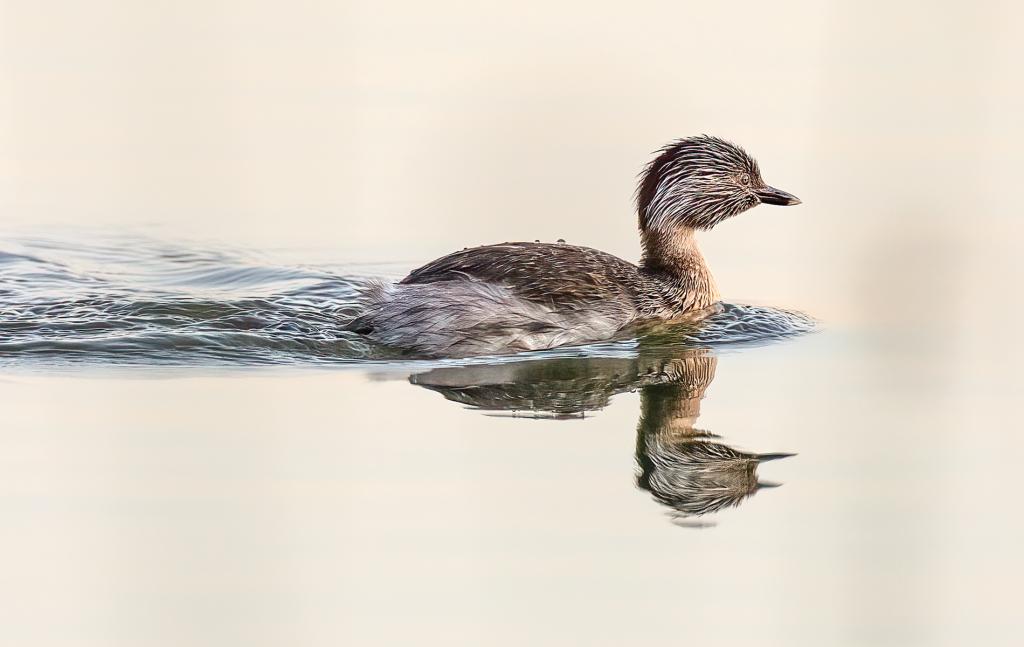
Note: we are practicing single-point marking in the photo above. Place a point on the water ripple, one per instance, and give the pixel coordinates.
(136, 301)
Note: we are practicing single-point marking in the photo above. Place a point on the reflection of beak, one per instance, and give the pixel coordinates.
(761, 458)
(764, 485)
(771, 195)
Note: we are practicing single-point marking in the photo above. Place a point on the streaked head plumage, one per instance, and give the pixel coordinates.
(698, 182)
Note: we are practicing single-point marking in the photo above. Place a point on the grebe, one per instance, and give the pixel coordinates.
(514, 297)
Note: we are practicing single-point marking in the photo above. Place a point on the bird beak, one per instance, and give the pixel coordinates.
(763, 458)
(771, 195)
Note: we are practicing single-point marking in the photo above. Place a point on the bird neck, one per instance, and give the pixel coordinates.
(673, 258)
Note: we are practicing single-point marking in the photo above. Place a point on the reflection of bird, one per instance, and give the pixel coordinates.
(685, 468)
(696, 476)
(560, 387)
(527, 296)
(682, 466)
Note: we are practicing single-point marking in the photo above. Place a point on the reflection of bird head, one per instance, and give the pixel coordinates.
(696, 476)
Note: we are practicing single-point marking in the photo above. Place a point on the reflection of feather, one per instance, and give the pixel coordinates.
(564, 386)
(561, 387)
(685, 468)
(694, 476)
(679, 464)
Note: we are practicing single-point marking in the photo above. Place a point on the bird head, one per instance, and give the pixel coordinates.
(698, 182)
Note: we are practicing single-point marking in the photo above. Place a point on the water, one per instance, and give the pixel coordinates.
(192, 453)
(127, 300)
(195, 452)
(124, 300)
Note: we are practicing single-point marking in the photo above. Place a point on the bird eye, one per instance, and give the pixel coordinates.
(745, 179)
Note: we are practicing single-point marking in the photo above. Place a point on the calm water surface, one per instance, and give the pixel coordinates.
(195, 453)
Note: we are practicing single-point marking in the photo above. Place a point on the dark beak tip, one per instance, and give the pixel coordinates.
(771, 195)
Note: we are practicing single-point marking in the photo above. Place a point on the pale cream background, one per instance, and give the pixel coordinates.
(326, 507)
(401, 131)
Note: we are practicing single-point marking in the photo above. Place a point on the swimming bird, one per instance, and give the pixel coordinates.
(522, 296)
